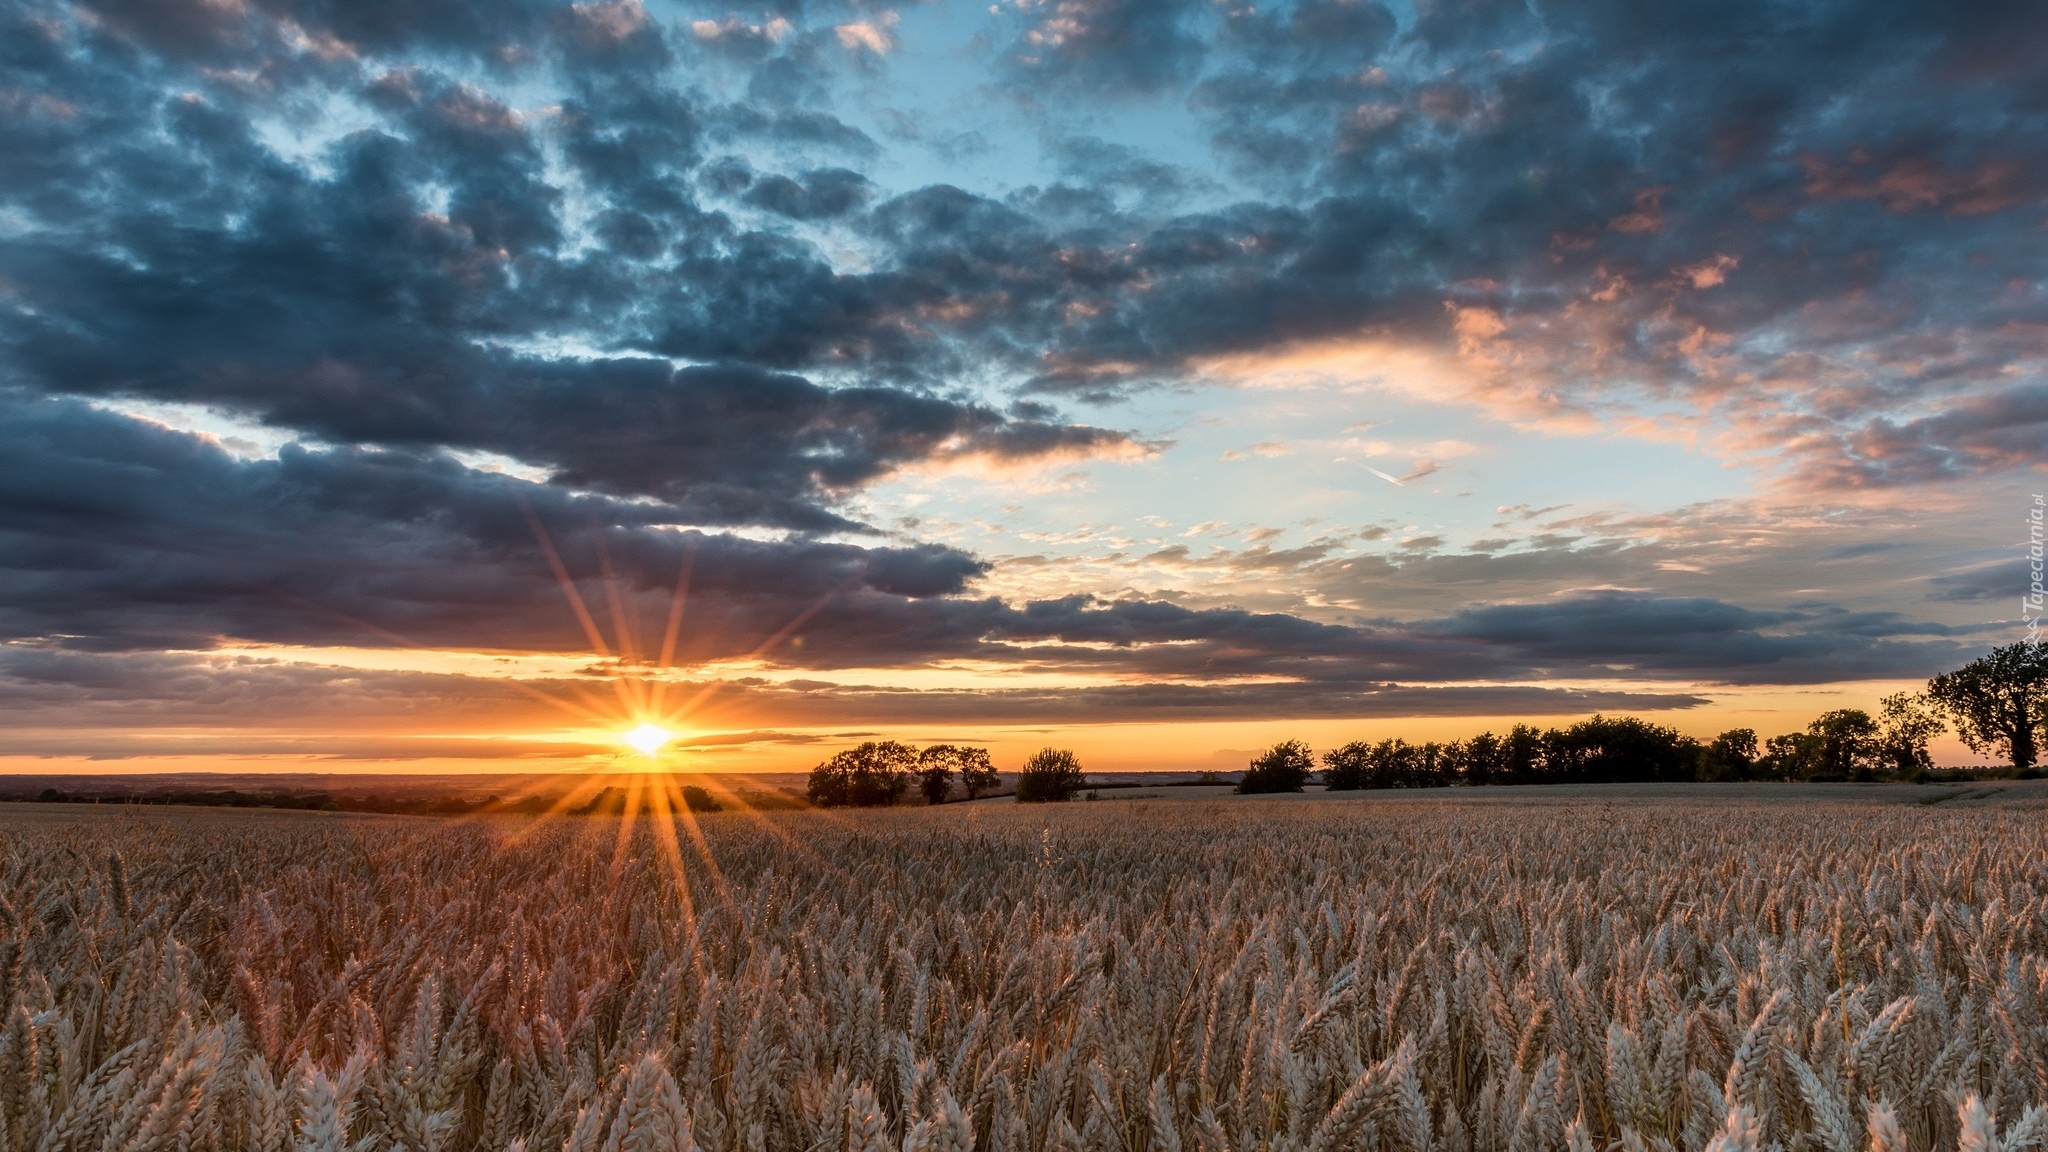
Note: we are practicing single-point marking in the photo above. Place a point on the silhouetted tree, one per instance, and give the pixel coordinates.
(1428, 767)
(938, 763)
(1388, 763)
(934, 778)
(1284, 767)
(872, 775)
(1999, 704)
(1906, 722)
(1848, 744)
(696, 799)
(1617, 749)
(1793, 756)
(1052, 774)
(1344, 769)
(1522, 756)
(1482, 760)
(977, 774)
(1731, 756)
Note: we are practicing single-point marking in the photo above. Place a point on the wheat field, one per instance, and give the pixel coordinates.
(1419, 976)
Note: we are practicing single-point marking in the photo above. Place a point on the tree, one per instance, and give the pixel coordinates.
(1521, 756)
(1848, 743)
(1906, 722)
(1794, 756)
(1429, 766)
(934, 778)
(1482, 760)
(1052, 774)
(1345, 769)
(1284, 767)
(937, 764)
(696, 799)
(1731, 756)
(1617, 749)
(872, 775)
(935, 772)
(977, 774)
(1999, 703)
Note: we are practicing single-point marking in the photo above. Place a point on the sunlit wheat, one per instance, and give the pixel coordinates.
(1401, 976)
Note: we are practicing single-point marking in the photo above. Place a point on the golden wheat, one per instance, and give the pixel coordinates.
(1396, 976)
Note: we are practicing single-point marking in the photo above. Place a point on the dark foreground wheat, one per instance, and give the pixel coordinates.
(1403, 977)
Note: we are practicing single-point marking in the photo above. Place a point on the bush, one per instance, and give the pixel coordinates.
(1284, 767)
(1052, 774)
(696, 799)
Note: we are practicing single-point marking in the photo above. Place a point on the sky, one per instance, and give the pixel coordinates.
(454, 385)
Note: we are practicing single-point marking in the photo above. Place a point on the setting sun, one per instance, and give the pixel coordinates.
(647, 739)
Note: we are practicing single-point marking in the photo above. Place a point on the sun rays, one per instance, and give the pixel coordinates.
(655, 786)
(647, 739)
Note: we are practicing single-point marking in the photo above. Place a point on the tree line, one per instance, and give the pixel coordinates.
(1998, 705)
(880, 772)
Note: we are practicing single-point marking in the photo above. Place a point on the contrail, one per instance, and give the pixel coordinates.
(1383, 476)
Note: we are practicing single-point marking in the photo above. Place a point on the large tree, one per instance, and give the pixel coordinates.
(1999, 704)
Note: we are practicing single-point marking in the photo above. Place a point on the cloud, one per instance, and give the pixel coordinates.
(877, 36)
(125, 534)
(1107, 45)
(822, 194)
(663, 265)
(87, 703)
(131, 536)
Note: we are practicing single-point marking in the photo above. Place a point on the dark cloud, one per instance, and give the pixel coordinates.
(2003, 580)
(1710, 640)
(121, 534)
(819, 194)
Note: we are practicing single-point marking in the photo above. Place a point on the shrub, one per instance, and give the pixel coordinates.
(1052, 774)
(696, 799)
(1284, 767)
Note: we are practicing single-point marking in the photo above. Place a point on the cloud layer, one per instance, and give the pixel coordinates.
(668, 262)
